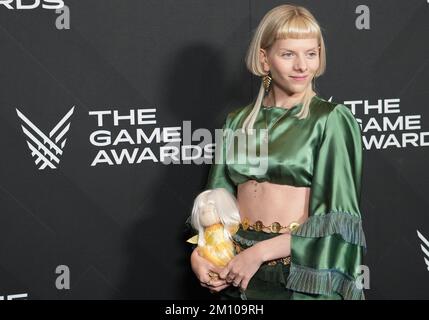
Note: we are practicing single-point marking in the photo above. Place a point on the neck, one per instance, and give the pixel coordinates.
(280, 98)
(213, 226)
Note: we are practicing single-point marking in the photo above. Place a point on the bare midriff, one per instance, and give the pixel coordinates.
(270, 202)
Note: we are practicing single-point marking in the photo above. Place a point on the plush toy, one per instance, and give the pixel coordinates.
(216, 218)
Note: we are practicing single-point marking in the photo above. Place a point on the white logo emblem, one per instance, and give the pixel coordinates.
(425, 247)
(46, 150)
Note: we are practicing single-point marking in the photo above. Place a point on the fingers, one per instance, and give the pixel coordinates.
(217, 283)
(218, 289)
(223, 273)
(205, 284)
(216, 269)
(213, 270)
(211, 282)
(231, 277)
(236, 281)
(213, 275)
(244, 284)
(214, 284)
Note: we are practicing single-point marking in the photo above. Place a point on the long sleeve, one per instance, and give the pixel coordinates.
(218, 175)
(326, 250)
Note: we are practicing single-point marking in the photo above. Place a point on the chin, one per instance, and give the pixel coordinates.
(300, 88)
(297, 89)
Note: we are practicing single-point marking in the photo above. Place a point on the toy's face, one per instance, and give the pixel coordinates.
(209, 215)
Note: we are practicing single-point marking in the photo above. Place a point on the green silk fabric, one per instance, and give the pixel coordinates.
(323, 152)
(269, 281)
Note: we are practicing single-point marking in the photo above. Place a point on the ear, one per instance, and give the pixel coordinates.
(263, 59)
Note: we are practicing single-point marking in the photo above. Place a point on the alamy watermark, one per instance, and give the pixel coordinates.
(135, 137)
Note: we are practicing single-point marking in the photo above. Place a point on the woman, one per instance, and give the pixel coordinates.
(301, 236)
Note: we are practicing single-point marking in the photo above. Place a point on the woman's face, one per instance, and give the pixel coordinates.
(292, 62)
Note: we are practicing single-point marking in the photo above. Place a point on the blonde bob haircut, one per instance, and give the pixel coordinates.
(283, 22)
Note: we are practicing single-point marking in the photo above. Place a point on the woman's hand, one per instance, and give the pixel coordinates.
(207, 273)
(242, 267)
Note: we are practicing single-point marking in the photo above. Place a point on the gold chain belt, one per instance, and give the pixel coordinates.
(275, 227)
(285, 260)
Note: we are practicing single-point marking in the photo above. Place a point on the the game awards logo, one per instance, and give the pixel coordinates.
(424, 245)
(46, 149)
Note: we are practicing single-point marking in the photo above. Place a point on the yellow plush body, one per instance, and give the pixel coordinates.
(217, 249)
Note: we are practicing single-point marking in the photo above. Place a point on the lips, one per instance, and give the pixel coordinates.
(298, 77)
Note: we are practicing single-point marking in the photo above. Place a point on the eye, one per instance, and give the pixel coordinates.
(287, 54)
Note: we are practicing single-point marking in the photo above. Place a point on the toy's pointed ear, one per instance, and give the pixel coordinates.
(193, 240)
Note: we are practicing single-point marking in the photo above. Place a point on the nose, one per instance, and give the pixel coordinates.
(301, 64)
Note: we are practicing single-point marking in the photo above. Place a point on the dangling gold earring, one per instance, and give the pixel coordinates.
(267, 81)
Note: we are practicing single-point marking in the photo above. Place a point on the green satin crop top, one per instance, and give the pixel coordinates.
(298, 149)
(291, 148)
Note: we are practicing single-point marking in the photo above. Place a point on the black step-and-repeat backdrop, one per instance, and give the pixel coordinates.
(103, 101)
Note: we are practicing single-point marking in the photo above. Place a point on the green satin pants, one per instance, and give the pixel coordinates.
(269, 282)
